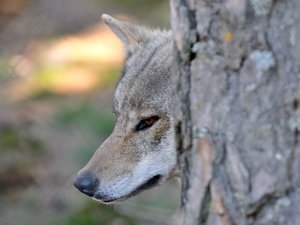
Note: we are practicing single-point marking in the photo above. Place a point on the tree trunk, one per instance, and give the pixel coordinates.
(239, 87)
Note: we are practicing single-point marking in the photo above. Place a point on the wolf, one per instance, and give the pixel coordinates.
(140, 153)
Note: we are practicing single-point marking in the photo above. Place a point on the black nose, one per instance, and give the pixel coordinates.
(86, 183)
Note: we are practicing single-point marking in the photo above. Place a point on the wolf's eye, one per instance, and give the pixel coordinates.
(146, 123)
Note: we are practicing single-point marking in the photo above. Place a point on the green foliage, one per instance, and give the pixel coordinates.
(84, 152)
(36, 146)
(109, 77)
(6, 71)
(9, 138)
(83, 115)
(47, 79)
(96, 214)
(12, 138)
(94, 124)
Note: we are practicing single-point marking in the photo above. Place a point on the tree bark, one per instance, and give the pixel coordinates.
(239, 88)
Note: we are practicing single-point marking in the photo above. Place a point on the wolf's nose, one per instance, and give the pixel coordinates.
(86, 183)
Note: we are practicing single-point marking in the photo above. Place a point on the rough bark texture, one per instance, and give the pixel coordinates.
(239, 85)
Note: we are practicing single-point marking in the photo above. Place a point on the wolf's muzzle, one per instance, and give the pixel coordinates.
(152, 182)
(86, 183)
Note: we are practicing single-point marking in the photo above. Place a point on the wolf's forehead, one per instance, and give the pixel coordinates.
(146, 78)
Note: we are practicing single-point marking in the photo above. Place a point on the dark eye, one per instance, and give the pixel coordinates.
(146, 123)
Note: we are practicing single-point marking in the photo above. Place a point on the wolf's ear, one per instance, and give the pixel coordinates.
(132, 36)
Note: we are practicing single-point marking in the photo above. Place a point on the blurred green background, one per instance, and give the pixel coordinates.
(58, 68)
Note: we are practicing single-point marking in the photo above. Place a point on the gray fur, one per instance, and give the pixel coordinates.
(130, 158)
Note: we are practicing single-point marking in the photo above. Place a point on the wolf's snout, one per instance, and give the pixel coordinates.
(86, 183)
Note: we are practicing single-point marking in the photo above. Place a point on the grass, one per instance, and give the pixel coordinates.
(96, 214)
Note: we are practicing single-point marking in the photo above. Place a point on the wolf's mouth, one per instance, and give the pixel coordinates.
(152, 182)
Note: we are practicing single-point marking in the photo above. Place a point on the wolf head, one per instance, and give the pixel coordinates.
(140, 153)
